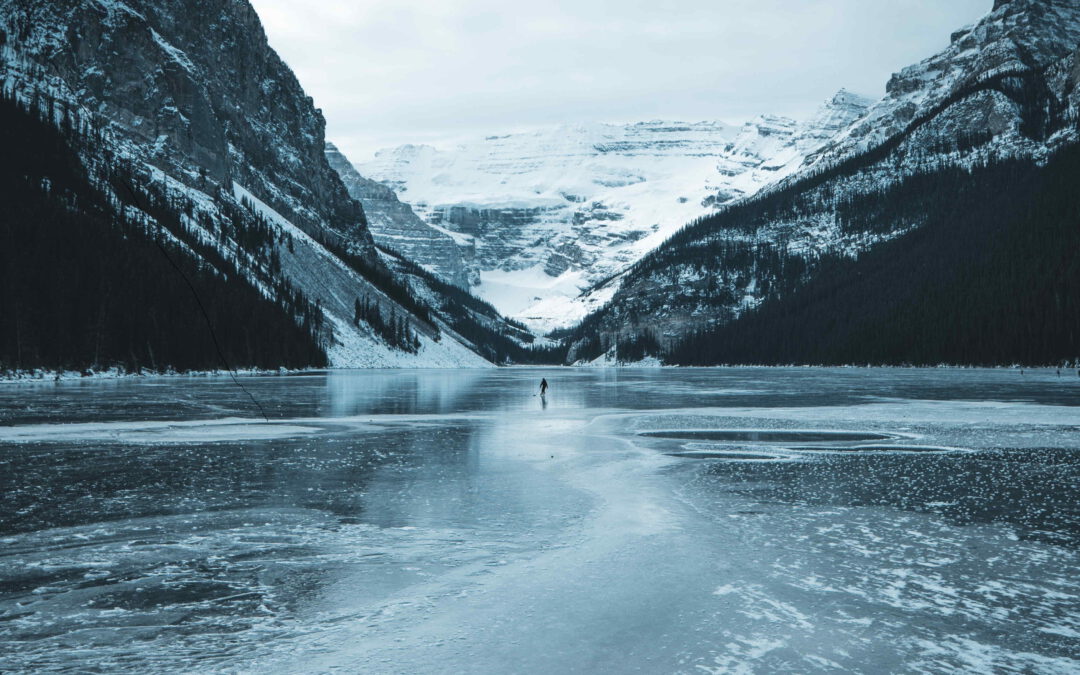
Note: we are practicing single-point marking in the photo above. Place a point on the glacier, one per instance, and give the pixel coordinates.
(554, 212)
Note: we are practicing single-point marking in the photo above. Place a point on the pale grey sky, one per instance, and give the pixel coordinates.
(387, 72)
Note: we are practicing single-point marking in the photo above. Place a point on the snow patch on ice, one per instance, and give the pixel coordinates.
(147, 432)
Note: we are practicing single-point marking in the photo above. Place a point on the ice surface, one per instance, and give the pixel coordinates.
(766, 435)
(153, 432)
(435, 521)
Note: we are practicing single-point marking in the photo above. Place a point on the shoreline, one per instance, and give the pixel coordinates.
(40, 376)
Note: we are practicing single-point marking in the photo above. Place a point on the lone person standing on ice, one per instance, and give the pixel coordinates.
(543, 386)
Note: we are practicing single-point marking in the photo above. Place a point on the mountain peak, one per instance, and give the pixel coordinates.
(1025, 6)
(850, 98)
(1018, 36)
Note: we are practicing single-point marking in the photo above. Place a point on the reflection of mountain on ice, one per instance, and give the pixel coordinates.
(552, 212)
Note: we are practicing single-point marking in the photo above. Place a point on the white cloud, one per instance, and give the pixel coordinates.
(387, 72)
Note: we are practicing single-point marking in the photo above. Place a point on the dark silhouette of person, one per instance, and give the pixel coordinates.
(543, 386)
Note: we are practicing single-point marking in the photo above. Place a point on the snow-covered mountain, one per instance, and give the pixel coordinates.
(553, 212)
(188, 99)
(954, 91)
(1006, 88)
(395, 226)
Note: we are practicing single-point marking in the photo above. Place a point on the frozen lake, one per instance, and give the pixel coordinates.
(657, 521)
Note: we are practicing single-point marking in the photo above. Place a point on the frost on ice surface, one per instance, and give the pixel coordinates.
(230, 429)
(425, 521)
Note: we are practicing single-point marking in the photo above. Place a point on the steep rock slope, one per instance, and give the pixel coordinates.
(395, 226)
(195, 89)
(186, 98)
(553, 212)
(87, 286)
(991, 278)
(1005, 88)
(948, 91)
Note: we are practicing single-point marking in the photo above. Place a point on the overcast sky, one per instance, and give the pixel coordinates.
(387, 72)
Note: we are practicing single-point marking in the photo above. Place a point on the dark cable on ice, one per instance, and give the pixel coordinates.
(202, 308)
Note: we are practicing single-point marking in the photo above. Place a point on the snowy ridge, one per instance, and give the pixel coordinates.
(555, 211)
(1017, 36)
(394, 225)
(325, 278)
(1005, 88)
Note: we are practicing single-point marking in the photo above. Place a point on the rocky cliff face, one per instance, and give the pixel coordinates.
(957, 90)
(190, 99)
(193, 88)
(556, 211)
(1004, 88)
(394, 225)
